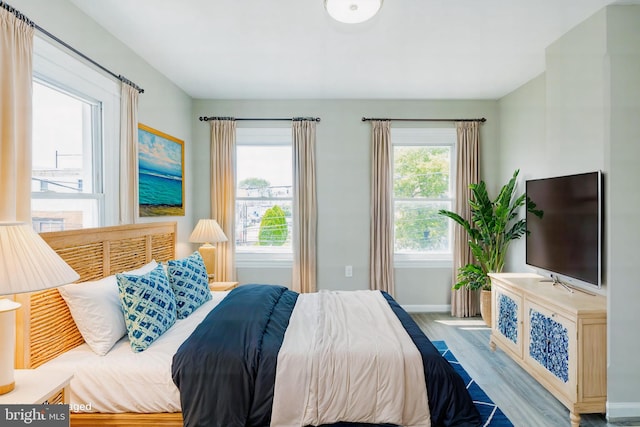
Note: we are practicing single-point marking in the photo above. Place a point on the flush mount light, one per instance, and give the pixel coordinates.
(352, 11)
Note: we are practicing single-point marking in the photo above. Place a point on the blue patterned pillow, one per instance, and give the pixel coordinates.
(190, 283)
(149, 306)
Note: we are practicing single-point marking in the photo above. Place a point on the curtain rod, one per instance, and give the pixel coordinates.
(481, 120)
(29, 22)
(292, 119)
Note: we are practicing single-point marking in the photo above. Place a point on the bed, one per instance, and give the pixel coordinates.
(47, 331)
(45, 328)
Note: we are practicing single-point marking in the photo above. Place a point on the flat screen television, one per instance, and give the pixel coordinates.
(567, 240)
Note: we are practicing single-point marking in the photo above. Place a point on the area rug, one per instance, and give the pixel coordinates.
(491, 415)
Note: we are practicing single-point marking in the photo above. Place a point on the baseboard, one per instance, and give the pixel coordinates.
(426, 308)
(623, 411)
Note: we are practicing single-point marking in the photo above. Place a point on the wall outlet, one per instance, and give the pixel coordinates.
(348, 271)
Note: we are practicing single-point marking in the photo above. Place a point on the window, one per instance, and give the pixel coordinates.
(264, 181)
(65, 179)
(75, 109)
(423, 183)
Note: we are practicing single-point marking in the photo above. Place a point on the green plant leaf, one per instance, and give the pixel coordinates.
(471, 276)
(492, 227)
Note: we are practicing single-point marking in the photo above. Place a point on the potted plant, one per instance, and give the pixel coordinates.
(494, 225)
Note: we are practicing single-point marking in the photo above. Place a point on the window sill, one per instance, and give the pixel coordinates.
(272, 260)
(399, 262)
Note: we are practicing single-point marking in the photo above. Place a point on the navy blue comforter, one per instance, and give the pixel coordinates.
(226, 369)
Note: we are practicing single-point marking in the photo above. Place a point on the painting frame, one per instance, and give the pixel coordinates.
(160, 173)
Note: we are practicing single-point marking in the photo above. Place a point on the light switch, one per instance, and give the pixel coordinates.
(348, 271)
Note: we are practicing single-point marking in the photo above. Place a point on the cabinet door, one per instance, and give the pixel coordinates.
(507, 320)
(550, 347)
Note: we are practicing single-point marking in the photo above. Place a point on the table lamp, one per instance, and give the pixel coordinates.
(27, 264)
(208, 231)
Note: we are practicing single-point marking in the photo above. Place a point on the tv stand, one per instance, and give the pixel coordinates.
(559, 338)
(564, 285)
(555, 281)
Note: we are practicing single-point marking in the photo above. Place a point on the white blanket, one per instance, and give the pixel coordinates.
(368, 372)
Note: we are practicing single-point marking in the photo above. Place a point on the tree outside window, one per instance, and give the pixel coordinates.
(264, 192)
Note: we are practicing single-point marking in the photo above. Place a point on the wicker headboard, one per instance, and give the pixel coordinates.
(45, 328)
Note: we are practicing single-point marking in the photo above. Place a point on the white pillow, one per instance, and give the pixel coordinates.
(147, 268)
(97, 312)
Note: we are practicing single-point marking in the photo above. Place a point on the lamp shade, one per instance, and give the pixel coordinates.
(27, 262)
(207, 231)
(352, 11)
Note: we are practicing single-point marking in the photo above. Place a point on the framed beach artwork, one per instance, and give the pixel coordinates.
(160, 173)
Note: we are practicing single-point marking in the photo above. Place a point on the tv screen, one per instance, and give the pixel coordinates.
(567, 240)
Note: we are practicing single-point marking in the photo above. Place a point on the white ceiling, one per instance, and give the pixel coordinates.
(284, 49)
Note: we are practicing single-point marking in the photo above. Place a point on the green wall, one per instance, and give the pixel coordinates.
(343, 157)
(623, 207)
(581, 115)
(163, 105)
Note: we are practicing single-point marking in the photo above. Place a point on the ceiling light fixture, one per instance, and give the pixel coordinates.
(352, 11)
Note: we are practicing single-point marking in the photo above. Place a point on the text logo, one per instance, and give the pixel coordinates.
(34, 415)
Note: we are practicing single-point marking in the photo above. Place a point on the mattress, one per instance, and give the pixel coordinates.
(124, 381)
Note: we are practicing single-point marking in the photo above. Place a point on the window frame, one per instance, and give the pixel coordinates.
(63, 72)
(425, 137)
(275, 136)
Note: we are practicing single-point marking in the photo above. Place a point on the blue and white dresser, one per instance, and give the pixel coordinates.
(560, 338)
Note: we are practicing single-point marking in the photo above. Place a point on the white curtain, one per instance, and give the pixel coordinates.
(465, 303)
(16, 65)
(223, 194)
(304, 206)
(128, 154)
(381, 228)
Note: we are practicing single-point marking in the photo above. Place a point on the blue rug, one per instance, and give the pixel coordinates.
(491, 415)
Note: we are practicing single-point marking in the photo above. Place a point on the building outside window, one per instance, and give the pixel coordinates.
(264, 192)
(74, 171)
(423, 183)
(65, 183)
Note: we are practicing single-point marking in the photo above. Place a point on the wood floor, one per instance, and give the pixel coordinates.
(521, 398)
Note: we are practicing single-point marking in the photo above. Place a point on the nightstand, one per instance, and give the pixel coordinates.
(222, 286)
(38, 386)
